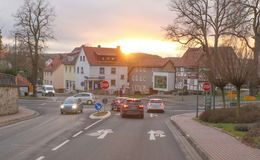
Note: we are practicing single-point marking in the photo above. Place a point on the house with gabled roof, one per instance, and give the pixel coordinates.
(152, 75)
(97, 64)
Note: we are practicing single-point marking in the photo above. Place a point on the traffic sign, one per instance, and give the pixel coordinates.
(98, 106)
(206, 86)
(104, 84)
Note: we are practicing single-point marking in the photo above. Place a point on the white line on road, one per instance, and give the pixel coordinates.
(54, 149)
(75, 135)
(93, 124)
(40, 158)
(43, 104)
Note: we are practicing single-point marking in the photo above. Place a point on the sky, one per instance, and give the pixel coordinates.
(135, 25)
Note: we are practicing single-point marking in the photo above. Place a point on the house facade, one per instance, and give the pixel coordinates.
(143, 75)
(97, 64)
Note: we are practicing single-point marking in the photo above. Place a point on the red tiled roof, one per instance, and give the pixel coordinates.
(56, 62)
(93, 53)
(153, 63)
(22, 81)
(191, 58)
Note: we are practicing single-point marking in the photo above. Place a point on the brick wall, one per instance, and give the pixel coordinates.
(8, 100)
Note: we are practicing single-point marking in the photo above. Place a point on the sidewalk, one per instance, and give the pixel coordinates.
(213, 143)
(22, 114)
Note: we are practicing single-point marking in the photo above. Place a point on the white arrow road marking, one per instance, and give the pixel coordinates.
(101, 134)
(154, 134)
(153, 115)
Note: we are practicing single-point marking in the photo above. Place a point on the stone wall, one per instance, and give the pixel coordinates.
(8, 100)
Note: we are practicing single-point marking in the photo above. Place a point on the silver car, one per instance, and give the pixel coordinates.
(72, 105)
(86, 98)
(155, 105)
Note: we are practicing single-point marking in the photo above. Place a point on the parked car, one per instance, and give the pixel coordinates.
(117, 103)
(39, 89)
(155, 105)
(86, 98)
(72, 105)
(48, 90)
(132, 106)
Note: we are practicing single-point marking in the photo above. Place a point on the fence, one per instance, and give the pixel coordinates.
(6, 79)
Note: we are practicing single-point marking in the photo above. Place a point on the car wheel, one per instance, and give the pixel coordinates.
(81, 111)
(61, 112)
(89, 102)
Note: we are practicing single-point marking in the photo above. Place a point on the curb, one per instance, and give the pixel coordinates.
(21, 118)
(193, 143)
(100, 117)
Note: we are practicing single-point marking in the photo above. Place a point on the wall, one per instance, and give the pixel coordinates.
(8, 100)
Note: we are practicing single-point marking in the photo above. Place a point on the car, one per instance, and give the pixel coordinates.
(155, 105)
(48, 90)
(71, 105)
(132, 106)
(86, 98)
(39, 89)
(117, 103)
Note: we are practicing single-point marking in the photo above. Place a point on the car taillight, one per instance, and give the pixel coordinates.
(162, 104)
(125, 106)
(141, 106)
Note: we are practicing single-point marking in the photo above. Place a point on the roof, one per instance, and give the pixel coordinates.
(153, 63)
(56, 62)
(191, 58)
(71, 59)
(22, 81)
(93, 55)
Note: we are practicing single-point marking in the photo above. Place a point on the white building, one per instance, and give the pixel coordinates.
(96, 64)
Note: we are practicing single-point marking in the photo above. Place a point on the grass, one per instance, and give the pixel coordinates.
(229, 127)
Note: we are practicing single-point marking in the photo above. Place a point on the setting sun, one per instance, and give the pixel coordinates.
(162, 48)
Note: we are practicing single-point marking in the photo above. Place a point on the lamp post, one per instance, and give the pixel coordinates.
(15, 48)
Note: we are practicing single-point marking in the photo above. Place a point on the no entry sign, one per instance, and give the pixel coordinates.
(104, 84)
(206, 86)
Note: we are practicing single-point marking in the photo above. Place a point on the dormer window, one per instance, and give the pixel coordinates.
(102, 58)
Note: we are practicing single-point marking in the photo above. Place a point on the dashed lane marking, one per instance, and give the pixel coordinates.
(75, 135)
(93, 124)
(40, 158)
(62, 144)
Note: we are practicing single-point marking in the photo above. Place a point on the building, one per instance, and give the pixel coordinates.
(24, 85)
(96, 64)
(152, 75)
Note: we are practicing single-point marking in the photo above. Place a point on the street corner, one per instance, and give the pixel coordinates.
(22, 114)
(100, 115)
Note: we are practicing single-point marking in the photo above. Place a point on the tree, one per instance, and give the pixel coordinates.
(249, 32)
(33, 24)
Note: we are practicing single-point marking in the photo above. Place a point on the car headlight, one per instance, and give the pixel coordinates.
(62, 106)
(74, 106)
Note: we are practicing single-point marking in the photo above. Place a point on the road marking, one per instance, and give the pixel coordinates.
(117, 114)
(153, 115)
(40, 158)
(101, 134)
(154, 134)
(75, 135)
(43, 104)
(54, 149)
(93, 124)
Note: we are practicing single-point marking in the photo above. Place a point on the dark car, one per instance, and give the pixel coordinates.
(72, 105)
(132, 107)
(117, 103)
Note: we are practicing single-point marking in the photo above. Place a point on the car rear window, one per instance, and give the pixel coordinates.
(133, 101)
(155, 101)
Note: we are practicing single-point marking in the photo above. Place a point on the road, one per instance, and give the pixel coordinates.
(75, 136)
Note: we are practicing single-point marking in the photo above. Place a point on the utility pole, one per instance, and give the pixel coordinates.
(197, 106)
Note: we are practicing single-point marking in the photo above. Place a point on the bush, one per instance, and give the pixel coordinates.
(242, 127)
(248, 114)
(253, 136)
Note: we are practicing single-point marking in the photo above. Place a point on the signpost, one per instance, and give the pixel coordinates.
(98, 106)
(207, 87)
(104, 84)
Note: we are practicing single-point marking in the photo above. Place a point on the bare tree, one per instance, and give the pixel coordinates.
(33, 24)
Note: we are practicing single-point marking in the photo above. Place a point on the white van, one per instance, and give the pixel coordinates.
(48, 90)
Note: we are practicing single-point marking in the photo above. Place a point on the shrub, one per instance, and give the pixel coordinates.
(242, 127)
(253, 137)
(248, 114)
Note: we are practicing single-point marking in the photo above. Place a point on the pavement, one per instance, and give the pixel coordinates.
(23, 114)
(211, 143)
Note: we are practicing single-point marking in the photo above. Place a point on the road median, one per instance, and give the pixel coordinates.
(100, 115)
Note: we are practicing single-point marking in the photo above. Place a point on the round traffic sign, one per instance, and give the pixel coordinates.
(98, 106)
(206, 86)
(104, 84)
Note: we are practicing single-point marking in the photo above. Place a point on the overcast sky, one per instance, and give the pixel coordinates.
(105, 22)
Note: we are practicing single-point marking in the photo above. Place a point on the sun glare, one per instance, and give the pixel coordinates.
(162, 48)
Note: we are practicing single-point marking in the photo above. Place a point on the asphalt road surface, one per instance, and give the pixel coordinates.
(54, 136)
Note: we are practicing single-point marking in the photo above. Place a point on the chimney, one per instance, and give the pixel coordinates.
(99, 46)
(118, 47)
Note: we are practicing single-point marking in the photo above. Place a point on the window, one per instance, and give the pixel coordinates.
(107, 58)
(80, 58)
(101, 70)
(122, 76)
(70, 68)
(74, 69)
(113, 82)
(102, 58)
(67, 84)
(141, 78)
(136, 78)
(65, 68)
(113, 58)
(77, 69)
(113, 70)
(144, 70)
(144, 79)
(82, 71)
(84, 58)
(133, 77)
